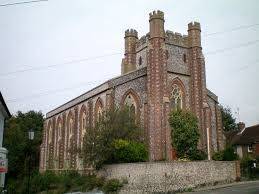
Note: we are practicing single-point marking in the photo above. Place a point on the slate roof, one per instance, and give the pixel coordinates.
(248, 136)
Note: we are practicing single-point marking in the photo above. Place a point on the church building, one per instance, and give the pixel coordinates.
(160, 71)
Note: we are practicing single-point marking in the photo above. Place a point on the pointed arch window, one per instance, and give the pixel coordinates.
(70, 127)
(59, 131)
(50, 135)
(176, 98)
(98, 109)
(99, 113)
(131, 103)
(70, 131)
(83, 127)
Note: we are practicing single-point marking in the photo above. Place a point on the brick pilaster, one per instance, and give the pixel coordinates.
(198, 80)
(156, 86)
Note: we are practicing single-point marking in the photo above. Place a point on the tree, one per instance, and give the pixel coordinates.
(113, 124)
(17, 143)
(228, 120)
(185, 135)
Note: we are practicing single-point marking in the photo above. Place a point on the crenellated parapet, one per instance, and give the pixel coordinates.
(131, 33)
(194, 26)
(156, 15)
(156, 24)
(129, 61)
(194, 34)
(142, 42)
(176, 38)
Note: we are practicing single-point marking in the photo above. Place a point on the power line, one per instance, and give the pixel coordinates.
(50, 92)
(231, 48)
(118, 53)
(55, 65)
(96, 57)
(19, 3)
(245, 66)
(231, 30)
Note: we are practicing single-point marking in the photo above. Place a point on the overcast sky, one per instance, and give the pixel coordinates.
(56, 32)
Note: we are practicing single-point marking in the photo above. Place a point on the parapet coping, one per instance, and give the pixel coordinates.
(98, 89)
(212, 95)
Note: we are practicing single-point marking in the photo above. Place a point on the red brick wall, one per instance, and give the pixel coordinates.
(157, 88)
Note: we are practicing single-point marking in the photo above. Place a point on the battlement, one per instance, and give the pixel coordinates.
(142, 41)
(156, 15)
(194, 26)
(131, 32)
(176, 38)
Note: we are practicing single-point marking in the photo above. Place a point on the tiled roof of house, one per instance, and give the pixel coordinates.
(248, 136)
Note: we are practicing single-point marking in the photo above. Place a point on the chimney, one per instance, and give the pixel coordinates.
(241, 126)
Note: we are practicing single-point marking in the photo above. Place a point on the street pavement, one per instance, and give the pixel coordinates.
(241, 188)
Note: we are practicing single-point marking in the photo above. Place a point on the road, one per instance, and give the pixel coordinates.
(246, 188)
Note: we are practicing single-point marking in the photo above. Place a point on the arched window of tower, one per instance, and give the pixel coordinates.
(140, 61)
(176, 98)
(184, 58)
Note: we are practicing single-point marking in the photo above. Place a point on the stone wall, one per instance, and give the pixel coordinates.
(171, 176)
(175, 59)
(214, 133)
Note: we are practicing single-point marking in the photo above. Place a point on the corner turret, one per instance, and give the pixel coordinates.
(194, 34)
(156, 24)
(129, 61)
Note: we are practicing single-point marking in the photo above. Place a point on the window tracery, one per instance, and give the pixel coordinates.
(176, 98)
(131, 103)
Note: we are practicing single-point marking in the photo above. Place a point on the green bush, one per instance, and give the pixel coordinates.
(112, 185)
(246, 161)
(184, 133)
(227, 154)
(55, 183)
(129, 151)
(198, 155)
(246, 164)
(115, 123)
(218, 156)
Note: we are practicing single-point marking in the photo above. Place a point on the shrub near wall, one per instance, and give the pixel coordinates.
(129, 151)
(69, 181)
(227, 154)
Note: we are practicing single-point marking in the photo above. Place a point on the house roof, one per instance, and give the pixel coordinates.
(4, 107)
(247, 136)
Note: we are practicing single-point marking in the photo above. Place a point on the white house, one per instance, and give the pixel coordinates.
(4, 114)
